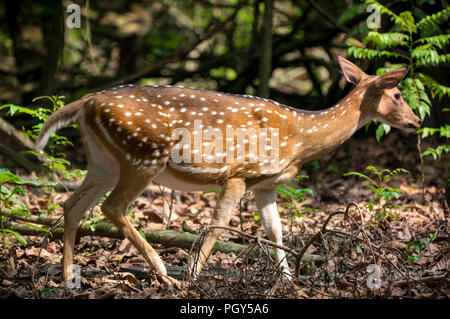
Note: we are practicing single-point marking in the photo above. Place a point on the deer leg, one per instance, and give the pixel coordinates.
(128, 188)
(267, 206)
(84, 198)
(230, 195)
(98, 181)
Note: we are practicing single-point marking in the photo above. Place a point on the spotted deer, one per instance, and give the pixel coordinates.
(136, 134)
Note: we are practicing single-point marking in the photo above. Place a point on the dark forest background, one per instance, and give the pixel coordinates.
(215, 45)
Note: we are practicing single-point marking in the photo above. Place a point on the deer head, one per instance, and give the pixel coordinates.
(382, 99)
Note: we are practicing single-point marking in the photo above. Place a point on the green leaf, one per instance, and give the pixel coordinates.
(437, 152)
(371, 168)
(13, 109)
(306, 190)
(18, 236)
(387, 40)
(37, 227)
(394, 194)
(445, 131)
(373, 188)
(285, 192)
(408, 24)
(382, 129)
(6, 176)
(211, 191)
(22, 210)
(427, 131)
(426, 55)
(415, 95)
(298, 178)
(379, 133)
(363, 53)
(434, 19)
(360, 175)
(397, 171)
(435, 88)
(440, 41)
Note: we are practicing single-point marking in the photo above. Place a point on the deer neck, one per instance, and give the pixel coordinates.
(319, 132)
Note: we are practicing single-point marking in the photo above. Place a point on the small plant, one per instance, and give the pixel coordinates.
(383, 194)
(47, 290)
(292, 196)
(10, 195)
(54, 160)
(416, 248)
(9, 199)
(444, 133)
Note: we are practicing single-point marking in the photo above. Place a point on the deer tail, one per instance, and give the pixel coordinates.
(64, 116)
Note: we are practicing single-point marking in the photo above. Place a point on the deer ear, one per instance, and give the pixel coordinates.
(391, 79)
(352, 73)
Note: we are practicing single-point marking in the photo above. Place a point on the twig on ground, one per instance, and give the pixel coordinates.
(322, 231)
(262, 240)
(43, 243)
(436, 280)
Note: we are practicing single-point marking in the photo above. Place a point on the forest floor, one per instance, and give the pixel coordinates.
(401, 251)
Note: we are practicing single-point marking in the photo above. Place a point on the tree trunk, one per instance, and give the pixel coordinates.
(265, 61)
(54, 43)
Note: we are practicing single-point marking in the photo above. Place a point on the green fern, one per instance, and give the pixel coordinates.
(439, 41)
(419, 45)
(387, 40)
(438, 151)
(363, 53)
(414, 92)
(434, 19)
(426, 55)
(435, 88)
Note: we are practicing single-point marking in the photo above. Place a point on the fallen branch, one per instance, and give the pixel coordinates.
(60, 187)
(432, 280)
(23, 142)
(19, 158)
(18, 136)
(42, 220)
(167, 238)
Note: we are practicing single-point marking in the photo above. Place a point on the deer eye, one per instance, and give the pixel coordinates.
(397, 96)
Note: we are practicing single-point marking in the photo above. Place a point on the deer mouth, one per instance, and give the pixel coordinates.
(411, 127)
